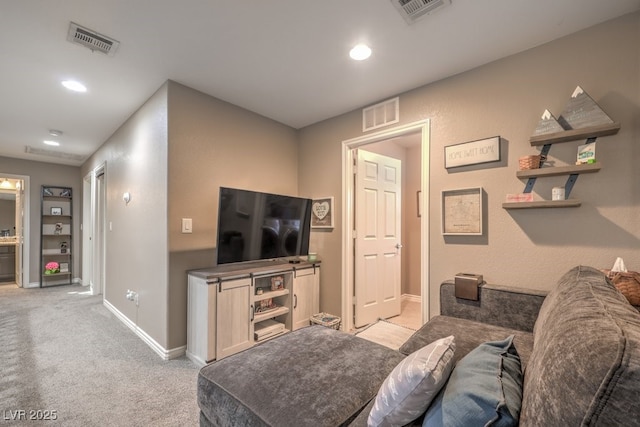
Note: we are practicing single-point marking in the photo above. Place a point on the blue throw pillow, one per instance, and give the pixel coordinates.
(484, 389)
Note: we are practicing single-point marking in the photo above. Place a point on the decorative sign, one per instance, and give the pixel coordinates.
(582, 111)
(547, 124)
(472, 153)
(586, 153)
(462, 212)
(322, 213)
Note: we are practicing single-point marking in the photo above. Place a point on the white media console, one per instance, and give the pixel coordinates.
(233, 307)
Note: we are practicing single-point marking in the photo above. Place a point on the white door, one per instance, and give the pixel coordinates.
(377, 237)
(19, 230)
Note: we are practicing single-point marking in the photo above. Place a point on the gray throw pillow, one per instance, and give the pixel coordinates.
(409, 389)
(484, 389)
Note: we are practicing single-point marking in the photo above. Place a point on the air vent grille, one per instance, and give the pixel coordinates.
(382, 114)
(92, 40)
(57, 154)
(412, 10)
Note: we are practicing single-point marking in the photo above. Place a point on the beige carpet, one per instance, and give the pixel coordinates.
(386, 333)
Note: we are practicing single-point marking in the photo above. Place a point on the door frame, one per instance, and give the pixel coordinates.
(348, 147)
(93, 238)
(26, 228)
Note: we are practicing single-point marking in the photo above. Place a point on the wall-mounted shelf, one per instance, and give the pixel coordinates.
(559, 170)
(571, 203)
(575, 134)
(573, 171)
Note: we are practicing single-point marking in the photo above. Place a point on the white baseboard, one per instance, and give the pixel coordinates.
(412, 298)
(161, 351)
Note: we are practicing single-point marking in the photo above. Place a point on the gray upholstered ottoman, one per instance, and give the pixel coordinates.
(288, 382)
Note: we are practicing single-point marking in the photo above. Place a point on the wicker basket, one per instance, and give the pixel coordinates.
(327, 320)
(627, 283)
(532, 161)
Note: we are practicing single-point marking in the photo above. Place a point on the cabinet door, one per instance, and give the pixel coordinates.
(305, 296)
(234, 327)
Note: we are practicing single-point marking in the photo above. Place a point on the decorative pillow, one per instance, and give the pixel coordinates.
(485, 388)
(409, 389)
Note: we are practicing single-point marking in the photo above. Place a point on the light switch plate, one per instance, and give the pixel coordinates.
(187, 225)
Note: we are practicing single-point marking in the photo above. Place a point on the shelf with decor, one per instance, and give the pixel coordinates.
(584, 119)
(56, 235)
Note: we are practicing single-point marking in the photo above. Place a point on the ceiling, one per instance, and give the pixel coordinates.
(284, 59)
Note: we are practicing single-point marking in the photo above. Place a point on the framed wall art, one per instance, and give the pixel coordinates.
(462, 212)
(322, 213)
(472, 153)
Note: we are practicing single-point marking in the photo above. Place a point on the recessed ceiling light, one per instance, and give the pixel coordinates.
(54, 143)
(360, 52)
(55, 132)
(74, 86)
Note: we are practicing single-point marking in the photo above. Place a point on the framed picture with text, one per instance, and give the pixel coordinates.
(322, 213)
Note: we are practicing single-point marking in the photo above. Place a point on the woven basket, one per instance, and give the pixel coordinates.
(531, 161)
(326, 320)
(627, 283)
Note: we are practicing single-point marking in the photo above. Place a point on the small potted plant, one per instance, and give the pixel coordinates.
(52, 268)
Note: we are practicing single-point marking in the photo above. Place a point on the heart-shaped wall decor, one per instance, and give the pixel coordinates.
(320, 209)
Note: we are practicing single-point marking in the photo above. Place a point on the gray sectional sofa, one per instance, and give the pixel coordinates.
(579, 347)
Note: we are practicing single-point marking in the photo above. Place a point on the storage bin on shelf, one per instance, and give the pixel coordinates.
(531, 161)
(326, 320)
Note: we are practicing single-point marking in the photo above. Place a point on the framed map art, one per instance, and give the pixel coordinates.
(462, 212)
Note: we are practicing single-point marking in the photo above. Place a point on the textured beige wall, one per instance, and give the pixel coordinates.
(211, 144)
(41, 173)
(527, 248)
(136, 246)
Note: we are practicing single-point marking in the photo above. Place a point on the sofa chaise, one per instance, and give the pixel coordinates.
(578, 348)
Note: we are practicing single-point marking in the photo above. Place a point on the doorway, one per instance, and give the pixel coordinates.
(420, 131)
(93, 230)
(14, 229)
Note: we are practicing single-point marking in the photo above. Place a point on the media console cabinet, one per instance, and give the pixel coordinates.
(233, 307)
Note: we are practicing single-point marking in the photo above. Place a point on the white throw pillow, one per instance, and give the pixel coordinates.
(413, 384)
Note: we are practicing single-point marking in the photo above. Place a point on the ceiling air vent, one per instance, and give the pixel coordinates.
(92, 40)
(58, 154)
(382, 114)
(412, 10)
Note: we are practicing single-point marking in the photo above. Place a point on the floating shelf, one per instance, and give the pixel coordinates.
(574, 134)
(571, 203)
(559, 170)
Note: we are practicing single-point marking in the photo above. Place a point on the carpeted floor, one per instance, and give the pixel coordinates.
(386, 333)
(62, 351)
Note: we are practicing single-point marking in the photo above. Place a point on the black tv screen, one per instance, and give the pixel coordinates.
(256, 226)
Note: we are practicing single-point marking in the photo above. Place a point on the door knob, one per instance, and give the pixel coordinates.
(398, 245)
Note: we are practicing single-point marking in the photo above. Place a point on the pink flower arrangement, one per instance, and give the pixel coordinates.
(51, 267)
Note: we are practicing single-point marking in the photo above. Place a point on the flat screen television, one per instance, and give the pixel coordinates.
(255, 226)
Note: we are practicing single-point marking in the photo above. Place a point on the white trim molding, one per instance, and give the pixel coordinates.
(161, 351)
(348, 146)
